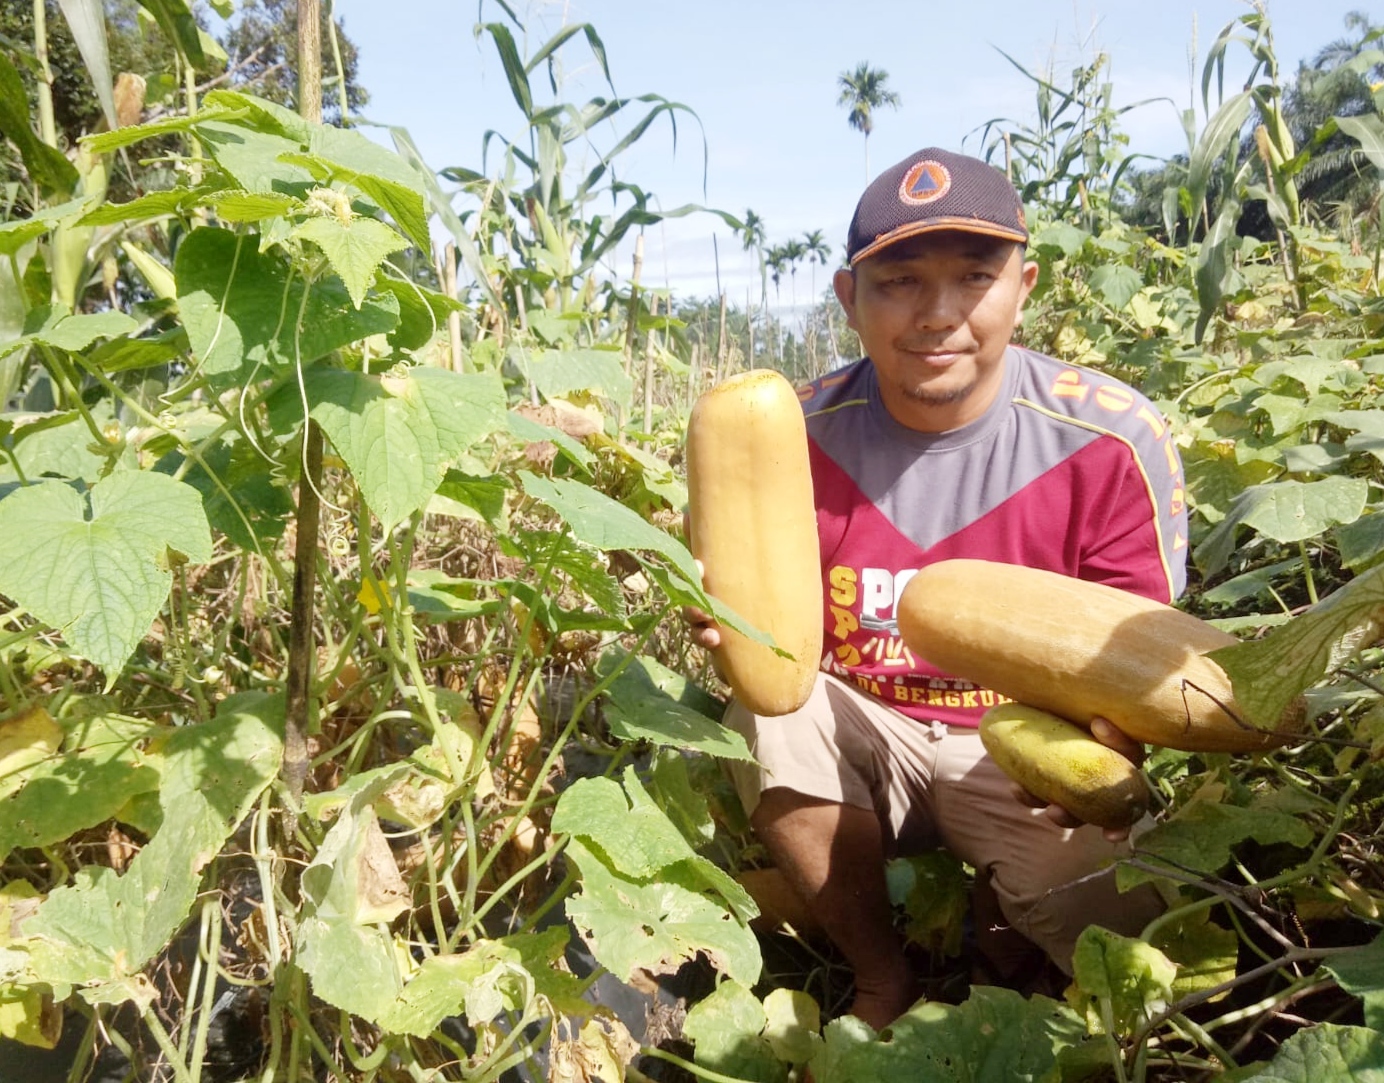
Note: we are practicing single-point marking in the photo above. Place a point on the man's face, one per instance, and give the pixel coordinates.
(935, 313)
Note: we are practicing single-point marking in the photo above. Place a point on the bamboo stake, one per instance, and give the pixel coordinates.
(449, 285)
(650, 346)
(694, 377)
(721, 339)
(633, 322)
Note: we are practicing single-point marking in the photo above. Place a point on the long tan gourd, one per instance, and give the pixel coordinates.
(1060, 762)
(754, 528)
(1082, 650)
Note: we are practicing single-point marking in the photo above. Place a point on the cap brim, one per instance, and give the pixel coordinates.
(938, 225)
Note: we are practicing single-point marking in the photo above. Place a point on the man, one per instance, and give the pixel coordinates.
(946, 440)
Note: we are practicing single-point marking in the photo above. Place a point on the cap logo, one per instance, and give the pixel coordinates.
(924, 182)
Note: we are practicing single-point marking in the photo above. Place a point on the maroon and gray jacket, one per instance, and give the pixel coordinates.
(1069, 470)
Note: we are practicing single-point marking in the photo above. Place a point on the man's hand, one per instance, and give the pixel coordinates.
(1104, 731)
(706, 632)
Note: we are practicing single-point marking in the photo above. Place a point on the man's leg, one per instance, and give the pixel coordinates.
(836, 784)
(1048, 883)
(833, 855)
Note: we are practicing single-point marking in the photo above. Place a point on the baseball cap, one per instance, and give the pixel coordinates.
(933, 190)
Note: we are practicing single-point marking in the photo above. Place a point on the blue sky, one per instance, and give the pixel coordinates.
(761, 77)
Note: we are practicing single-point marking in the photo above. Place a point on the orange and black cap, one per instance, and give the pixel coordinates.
(934, 190)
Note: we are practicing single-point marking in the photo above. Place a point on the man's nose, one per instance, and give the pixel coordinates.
(936, 308)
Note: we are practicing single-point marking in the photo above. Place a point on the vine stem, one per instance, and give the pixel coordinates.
(687, 1065)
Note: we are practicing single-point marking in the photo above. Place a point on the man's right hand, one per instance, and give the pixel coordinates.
(705, 631)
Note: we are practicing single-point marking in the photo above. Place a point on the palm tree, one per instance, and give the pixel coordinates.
(816, 250)
(752, 235)
(777, 260)
(862, 92)
(793, 253)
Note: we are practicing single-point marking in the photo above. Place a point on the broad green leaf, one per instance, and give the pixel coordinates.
(355, 250)
(245, 501)
(1205, 954)
(793, 1025)
(240, 206)
(15, 234)
(78, 332)
(105, 142)
(391, 181)
(422, 312)
(177, 201)
(1117, 283)
(634, 836)
(487, 496)
(58, 445)
(99, 768)
(400, 434)
(259, 162)
(557, 373)
(486, 980)
(672, 787)
(242, 310)
(996, 1036)
(638, 843)
(640, 710)
(54, 327)
(726, 1029)
(597, 520)
(656, 925)
(1065, 238)
(933, 890)
(1269, 673)
(434, 595)
(1128, 977)
(27, 738)
(1202, 836)
(1285, 511)
(29, 1016)
(1361, 972)
(103, 929)
(1327, 1053)
(95, 565)
(47, 166)
(1361, 542)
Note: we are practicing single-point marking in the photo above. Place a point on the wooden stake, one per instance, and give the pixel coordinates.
(449, 285)
(299, 707)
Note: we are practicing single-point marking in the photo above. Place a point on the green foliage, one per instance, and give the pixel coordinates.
(505, 723)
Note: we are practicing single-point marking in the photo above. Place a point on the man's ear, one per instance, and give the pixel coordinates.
(1028, 278)
(843, 283)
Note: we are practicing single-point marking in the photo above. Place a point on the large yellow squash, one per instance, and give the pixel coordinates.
(1082, 650)
(754, 528)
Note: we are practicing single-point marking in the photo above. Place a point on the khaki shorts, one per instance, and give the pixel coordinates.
(932, 786)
